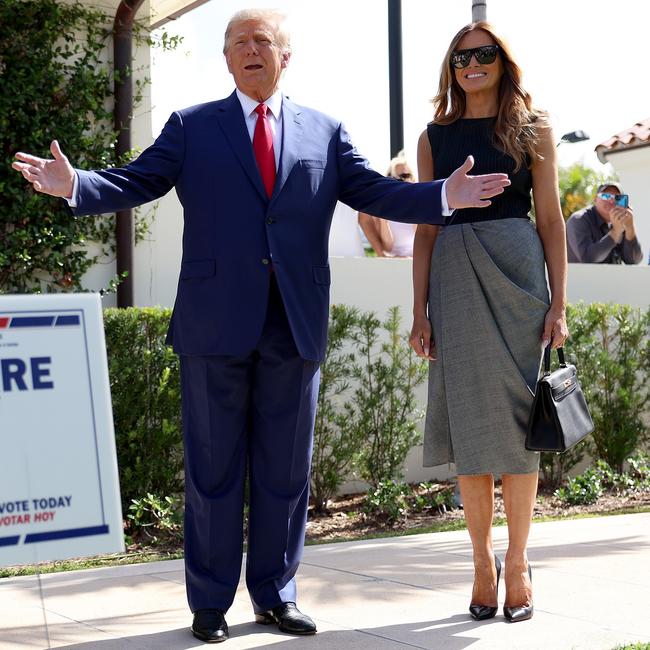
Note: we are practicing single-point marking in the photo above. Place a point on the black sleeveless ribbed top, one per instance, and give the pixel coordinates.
(450, 146)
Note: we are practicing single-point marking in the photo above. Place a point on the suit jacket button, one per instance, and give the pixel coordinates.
(270, 220)
(265, 261)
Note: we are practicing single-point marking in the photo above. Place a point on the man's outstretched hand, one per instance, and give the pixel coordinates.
(465, 191)
(54, 177)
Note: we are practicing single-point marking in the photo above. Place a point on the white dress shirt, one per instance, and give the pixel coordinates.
(274, 115)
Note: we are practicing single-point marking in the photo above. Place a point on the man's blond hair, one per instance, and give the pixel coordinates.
(273, 17)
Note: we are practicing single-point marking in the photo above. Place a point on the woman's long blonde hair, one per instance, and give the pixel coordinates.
(517, 130)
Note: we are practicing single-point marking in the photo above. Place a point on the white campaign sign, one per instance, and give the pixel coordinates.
(59, 490)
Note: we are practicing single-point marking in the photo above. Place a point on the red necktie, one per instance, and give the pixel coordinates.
(263, 148)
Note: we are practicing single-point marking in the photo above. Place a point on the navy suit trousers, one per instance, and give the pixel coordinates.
(252, 413)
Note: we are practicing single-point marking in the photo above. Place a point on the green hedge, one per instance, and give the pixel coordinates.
(145, 388)
(610, 345)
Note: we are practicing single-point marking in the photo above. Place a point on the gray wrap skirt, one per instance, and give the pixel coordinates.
(487, 300)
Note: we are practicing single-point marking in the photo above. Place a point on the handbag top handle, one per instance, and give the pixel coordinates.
(547, 359)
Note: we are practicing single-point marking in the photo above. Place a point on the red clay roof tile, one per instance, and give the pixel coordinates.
(636, 136)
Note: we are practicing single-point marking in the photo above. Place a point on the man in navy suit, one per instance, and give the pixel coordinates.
(258, 177)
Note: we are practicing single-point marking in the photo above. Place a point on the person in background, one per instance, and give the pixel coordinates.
(482, 312)
(604, 233)
(391, 238)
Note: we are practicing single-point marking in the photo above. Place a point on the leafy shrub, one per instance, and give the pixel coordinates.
(584, 489)
(609, 345)
(156, 516)
(384, 411)
(388, 500)
(145, 388)
(639, 471)
(336, 443)
(393, 501)
(432, 497)
(587, 487)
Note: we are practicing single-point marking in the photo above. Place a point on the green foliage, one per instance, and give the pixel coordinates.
(609, 346)
(584, 489)
(578, 185)
(388, 500)
(635, 479)
(55, 84)
(335, 442)
(145, 388)
(430, 496)
(384, 410)
(367, 409)
(392, 501)
(155, 516)
(639, 471)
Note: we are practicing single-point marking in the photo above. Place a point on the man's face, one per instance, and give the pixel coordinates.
(605, 206)
(255, 59)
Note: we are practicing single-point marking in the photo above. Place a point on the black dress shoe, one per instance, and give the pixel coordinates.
(288, 618)
(209, 625)
(520, 612)
(483, 612)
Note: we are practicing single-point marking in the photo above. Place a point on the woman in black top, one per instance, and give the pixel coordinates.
(482, 312)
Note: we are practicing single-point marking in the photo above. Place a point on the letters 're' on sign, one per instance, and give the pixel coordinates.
(59, 494)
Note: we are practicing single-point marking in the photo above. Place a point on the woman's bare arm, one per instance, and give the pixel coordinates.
(552, 232)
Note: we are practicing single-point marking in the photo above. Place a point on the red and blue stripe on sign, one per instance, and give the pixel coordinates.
(60, 320)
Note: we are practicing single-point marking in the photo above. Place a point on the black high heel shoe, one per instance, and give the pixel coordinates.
(520, 612)
(483, 612)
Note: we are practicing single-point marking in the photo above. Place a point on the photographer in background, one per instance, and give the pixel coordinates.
(604, 233)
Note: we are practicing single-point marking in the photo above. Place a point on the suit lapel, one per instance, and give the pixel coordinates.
(231, 120)
(291, 137)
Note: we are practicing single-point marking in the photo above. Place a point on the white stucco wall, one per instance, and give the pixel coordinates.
(633, 168)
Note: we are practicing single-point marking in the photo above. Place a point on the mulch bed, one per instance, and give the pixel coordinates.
(346, 519)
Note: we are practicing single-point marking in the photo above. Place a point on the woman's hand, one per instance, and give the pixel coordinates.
(556, 331)
(420, 339)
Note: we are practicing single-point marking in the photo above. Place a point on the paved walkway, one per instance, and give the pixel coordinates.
(591, 579)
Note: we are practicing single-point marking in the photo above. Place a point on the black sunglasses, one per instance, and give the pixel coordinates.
(403, 177)
(484, 54)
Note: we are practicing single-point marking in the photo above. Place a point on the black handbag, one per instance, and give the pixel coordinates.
(559, 417)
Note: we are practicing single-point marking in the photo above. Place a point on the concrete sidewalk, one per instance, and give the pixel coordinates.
(591, 579)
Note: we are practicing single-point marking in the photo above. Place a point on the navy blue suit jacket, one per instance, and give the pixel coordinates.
(232, 229)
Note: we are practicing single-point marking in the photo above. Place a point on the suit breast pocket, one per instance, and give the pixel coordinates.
(313, 165)
(310, 175)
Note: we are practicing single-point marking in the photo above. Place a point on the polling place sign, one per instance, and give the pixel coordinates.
(59, 490)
